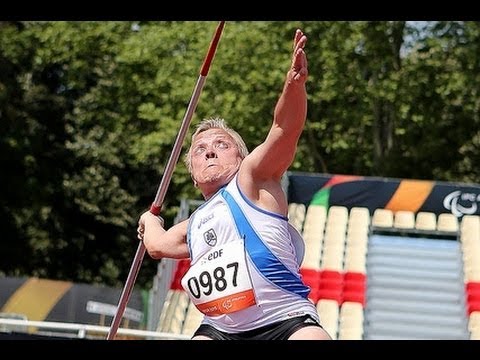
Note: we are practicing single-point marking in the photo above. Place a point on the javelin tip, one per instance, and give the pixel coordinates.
(212, 49)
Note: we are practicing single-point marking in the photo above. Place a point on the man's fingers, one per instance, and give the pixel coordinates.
(298, 36)
(299, 60)
(300, 40)
(299, 56)
(140, 231)
(295, 39)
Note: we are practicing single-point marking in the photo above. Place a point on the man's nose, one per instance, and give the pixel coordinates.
(210, 153)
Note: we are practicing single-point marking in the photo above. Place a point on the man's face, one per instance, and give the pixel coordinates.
(215, 159)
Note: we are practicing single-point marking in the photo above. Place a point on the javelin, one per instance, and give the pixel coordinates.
(167, 175)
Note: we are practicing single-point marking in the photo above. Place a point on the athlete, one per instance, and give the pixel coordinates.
(244, 255)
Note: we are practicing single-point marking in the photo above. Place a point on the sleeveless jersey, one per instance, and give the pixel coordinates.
(244, 270)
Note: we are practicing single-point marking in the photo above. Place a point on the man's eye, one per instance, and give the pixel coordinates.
(222, 145)
(199, 150)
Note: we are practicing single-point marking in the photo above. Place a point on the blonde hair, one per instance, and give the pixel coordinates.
(216, 123)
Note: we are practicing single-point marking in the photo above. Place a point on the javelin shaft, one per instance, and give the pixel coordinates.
(177, 147)
(167, 175)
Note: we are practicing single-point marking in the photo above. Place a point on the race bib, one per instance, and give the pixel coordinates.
(219, 283)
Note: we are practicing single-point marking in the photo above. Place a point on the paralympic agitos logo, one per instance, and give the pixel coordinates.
(461, 203)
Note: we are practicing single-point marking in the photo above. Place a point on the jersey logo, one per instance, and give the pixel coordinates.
(204, 220)
(210, 237)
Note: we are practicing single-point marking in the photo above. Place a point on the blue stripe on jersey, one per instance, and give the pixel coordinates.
(267, 263)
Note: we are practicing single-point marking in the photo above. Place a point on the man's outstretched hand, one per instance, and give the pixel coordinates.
(299, 69)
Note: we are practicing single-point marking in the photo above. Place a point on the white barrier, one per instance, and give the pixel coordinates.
(83, 331)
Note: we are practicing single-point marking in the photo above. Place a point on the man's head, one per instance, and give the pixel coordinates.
(215, 154)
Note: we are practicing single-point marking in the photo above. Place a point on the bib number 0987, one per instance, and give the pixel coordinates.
(206, 282)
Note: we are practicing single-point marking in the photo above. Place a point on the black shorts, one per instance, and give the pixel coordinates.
(281, 330)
